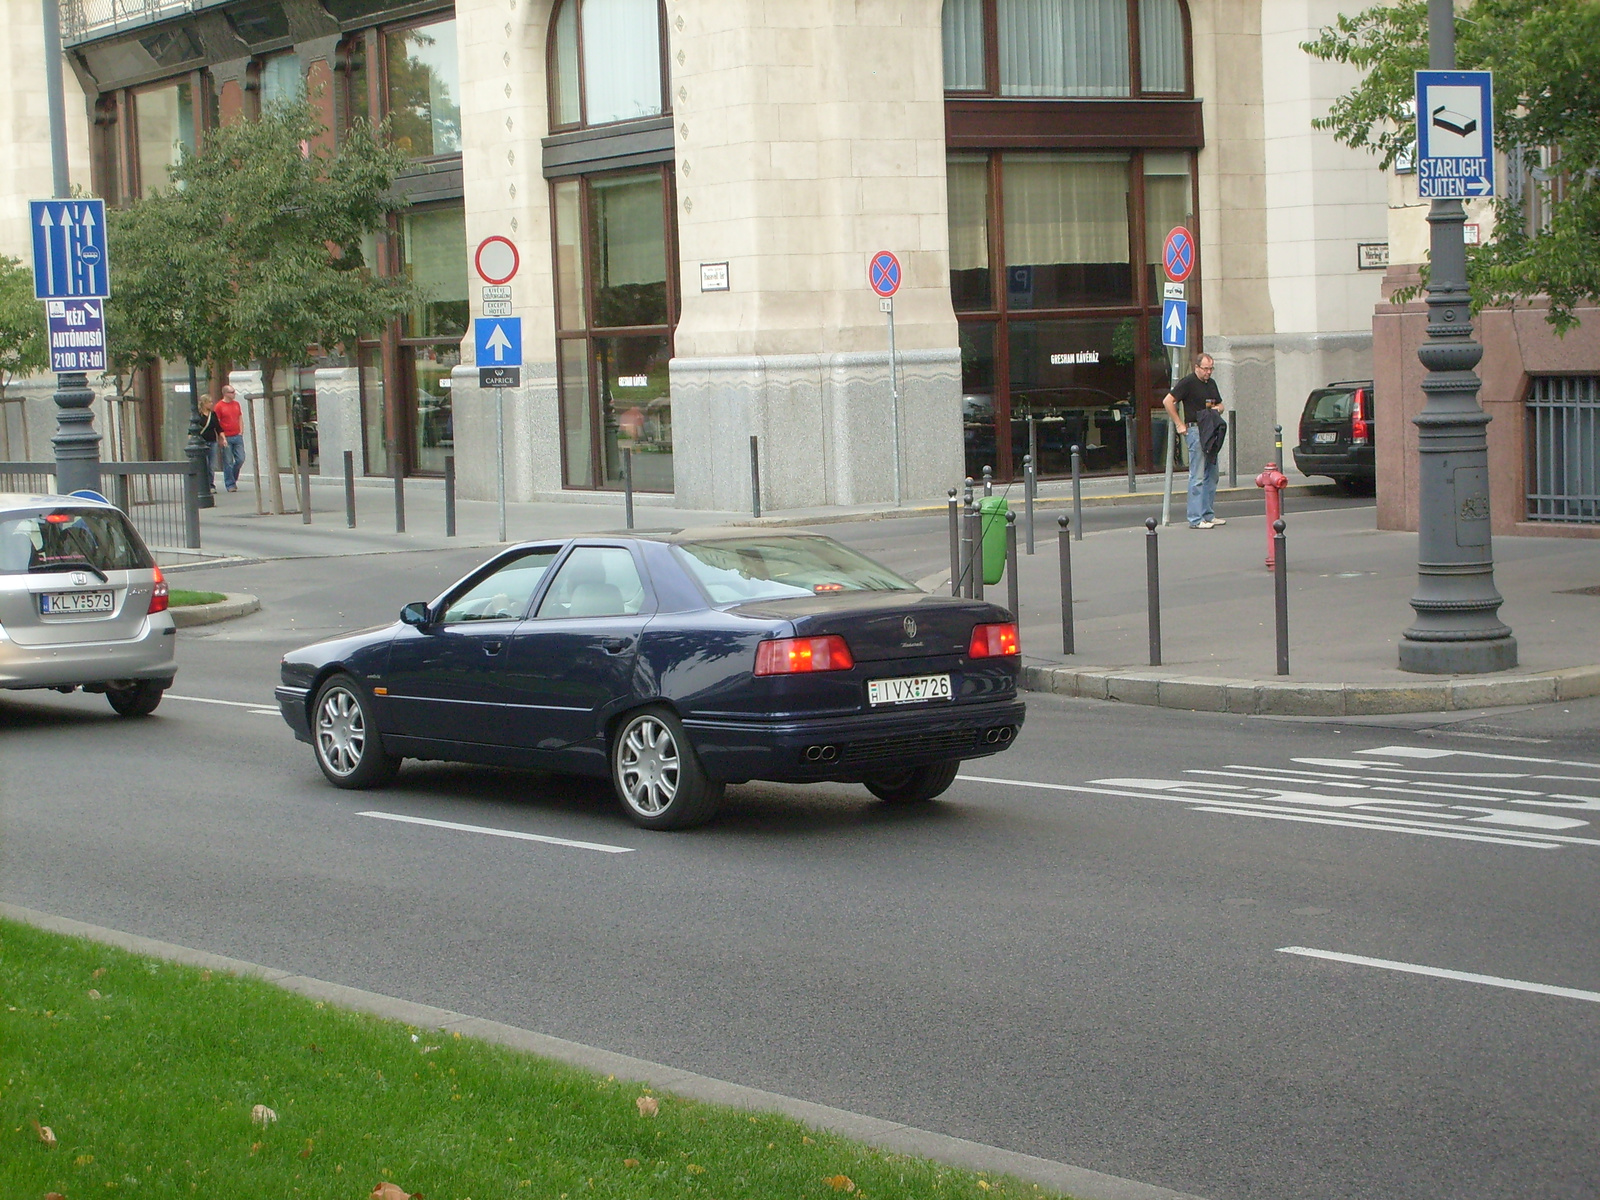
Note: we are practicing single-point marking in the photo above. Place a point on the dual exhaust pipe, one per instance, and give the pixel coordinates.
(1000, 735)
(821, 753)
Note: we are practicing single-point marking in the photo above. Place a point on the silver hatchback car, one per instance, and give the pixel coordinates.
(82, 603)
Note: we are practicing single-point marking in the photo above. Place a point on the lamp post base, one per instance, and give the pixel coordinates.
(1458, 658)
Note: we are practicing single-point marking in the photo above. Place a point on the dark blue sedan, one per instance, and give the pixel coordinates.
(674, 664)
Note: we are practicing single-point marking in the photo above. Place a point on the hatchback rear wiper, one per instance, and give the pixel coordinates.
(70, 565)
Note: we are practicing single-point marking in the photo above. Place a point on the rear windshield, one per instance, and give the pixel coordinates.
(1337, 405)
(69, 539)
(733, 570)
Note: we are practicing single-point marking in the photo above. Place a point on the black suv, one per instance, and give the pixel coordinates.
(1336, 435)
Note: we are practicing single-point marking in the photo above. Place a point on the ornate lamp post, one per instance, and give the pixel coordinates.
(1457, 628)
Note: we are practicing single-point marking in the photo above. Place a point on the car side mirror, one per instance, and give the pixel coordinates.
(416, 615)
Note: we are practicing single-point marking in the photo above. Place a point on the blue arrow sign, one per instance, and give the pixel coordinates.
(1175, 323)
(69, 249)
(1455, 134)
(498, 341)
(77, 334)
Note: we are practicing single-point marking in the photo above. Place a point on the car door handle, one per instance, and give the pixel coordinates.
(615, 645)
(493, 647)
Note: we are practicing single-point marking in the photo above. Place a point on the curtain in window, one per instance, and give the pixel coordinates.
(1063, 48)
(621, 60)
(963, 45)
(1168, 200)
(1065, 208)
(282, 80)
(1161, 65)
(968, 184)
(565, 83)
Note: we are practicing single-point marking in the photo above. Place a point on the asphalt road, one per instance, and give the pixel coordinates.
(1092, 970)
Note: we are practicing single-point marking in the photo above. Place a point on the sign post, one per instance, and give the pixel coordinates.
(1177, 259)
(1457, 628)
(499, 341)
(72, 274)
(884, 276)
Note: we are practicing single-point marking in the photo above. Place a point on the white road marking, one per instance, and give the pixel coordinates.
(516, 834)
(255, 708)
(1280, 814)
(1419, 752)
(1386, 964)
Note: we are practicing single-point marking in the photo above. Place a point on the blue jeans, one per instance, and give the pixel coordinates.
(231, 451)
(1202, 478)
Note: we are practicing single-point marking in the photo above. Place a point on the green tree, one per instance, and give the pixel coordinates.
(23, 351)
(1545, 55)
(254, 253)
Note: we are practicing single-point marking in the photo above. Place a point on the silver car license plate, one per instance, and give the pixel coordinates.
(51, 603)
(1331, 435)
(910, 690)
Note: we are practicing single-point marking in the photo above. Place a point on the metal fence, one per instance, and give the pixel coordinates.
(1564, 449)
(84, 19)
(161, 498)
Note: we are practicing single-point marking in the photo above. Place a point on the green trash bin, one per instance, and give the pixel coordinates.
(992, 532)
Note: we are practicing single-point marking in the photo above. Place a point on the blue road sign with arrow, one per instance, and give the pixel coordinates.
(69, 249)
(1455, 135)
(1175, 323)
(499, 341)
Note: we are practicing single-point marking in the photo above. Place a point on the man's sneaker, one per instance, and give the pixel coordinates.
(1203, 525)
(1219, 521)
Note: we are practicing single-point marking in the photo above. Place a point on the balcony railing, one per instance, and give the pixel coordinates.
(83, 20)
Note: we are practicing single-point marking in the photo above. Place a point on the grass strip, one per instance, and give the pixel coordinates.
(147, 1074)
(183, 598)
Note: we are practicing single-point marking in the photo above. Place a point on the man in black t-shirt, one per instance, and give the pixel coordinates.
(1193, 392)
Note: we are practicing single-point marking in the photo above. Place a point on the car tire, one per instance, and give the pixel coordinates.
(656, 774)
(345, 738)
(917, 785)
(137, 698)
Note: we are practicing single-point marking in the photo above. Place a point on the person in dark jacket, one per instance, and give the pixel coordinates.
(1190, 397)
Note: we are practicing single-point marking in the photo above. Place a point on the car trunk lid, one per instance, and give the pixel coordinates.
(882, 626)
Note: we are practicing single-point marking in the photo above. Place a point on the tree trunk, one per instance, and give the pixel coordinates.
(268, 369)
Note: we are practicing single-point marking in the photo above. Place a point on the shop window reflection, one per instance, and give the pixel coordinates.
(1076, 381)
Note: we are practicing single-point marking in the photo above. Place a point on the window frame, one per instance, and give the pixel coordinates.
(380, 70)
(556, 125)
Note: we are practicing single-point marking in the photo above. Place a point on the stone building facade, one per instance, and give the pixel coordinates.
(695, 188)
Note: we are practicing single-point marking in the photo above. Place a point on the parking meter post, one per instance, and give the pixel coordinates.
(349, 489)
(398, 470)
(1028, 483)
(755, 476)
(305, 486)
(1152, 566)
(1064, 548)
(988, 481)
(1233, 448)
(450, 495)
(955, 545)
(1077, 493)
(627, 485)
(1280, 579)
(1166, 494)
(1011, 569)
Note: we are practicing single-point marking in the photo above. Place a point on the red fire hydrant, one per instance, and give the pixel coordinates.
(1274, 481)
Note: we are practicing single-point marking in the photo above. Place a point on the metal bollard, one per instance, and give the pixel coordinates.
(955, 546)
(975, 560)
(755, 476)
(1233, 448)
(988, 481)
(1064, 544)
(1152, 567)
(1011, 570)
(191, 506)
(305, 486)
(967, 512)
(349, 489)
(1130, 433)
(1077, 493)
(1280, 579)
(449, 495)
(398, 469)
(627, 485)
(1029, 485)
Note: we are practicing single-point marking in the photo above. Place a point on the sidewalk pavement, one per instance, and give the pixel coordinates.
(1349, 586)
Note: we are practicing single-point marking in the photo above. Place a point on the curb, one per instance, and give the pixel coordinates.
(1279, 698)
(237, 604)
(897, 1138)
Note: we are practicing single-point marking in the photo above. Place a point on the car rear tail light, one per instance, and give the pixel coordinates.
(1360, 431)
(993, 641)
(795, 656)
(158, 593)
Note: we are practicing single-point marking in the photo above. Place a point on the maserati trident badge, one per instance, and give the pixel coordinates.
(910, 626)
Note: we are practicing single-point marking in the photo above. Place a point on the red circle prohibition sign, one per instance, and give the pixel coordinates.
(1177, 255)
(496, 260)
(884, 273)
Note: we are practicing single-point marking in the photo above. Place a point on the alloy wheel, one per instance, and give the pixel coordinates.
(648, 766)
(341, 731)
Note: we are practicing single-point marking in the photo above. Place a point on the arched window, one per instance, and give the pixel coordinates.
(1065, 49)
(606, 62)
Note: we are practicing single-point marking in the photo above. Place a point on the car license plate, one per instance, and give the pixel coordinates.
(910, 690)
(75, 602)
(1331, 435)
